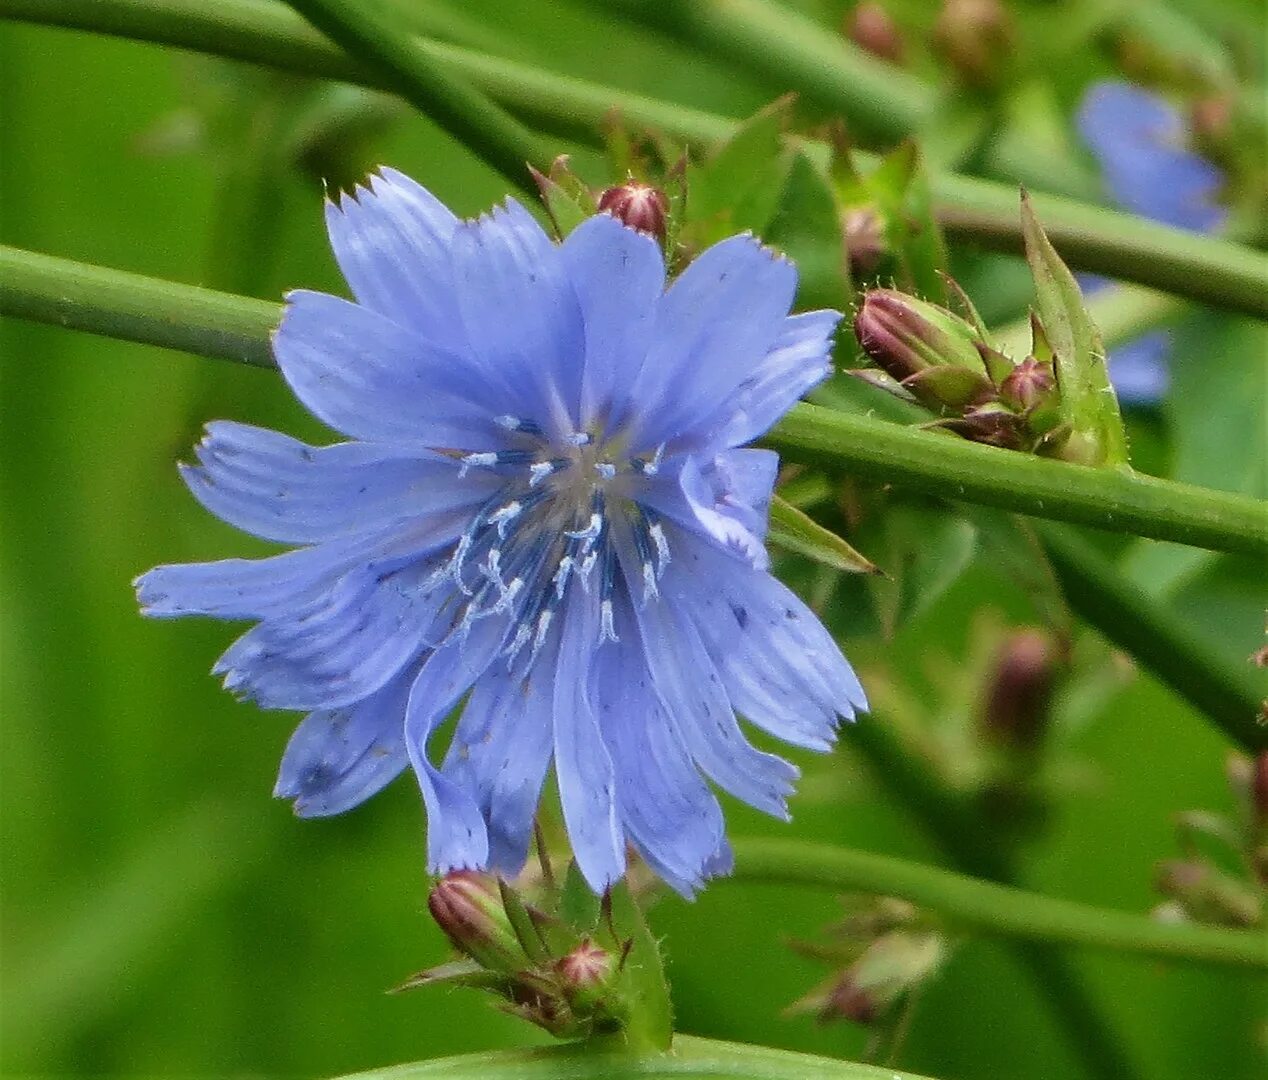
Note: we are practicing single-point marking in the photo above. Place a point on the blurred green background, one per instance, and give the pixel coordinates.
(163, 916)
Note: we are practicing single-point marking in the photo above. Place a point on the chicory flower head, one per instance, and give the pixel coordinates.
(1141, 143)
(543, 519)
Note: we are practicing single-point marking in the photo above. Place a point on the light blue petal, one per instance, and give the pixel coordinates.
(669, 813)
(682, 493)
(587, 777)
(500, 753)
(336, 760)
(780, 667)
(282, 489)
(392, 243)
(800, 359)
(247, 588)
(714, 327)
(373, 379)
(618, 275)
(692, 692)
(521, 315)
(341, 645)
(456, 833)
(1116, 114)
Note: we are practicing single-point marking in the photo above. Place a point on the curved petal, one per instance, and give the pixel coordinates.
(456, 833)
(373, 379)
(684, 494)
(800, 359)
(779, 666)
(587, 777)
(282, 489)
(618, 275)
(694, 698)
(391, 241)
(500, 753)
(713, 328)
(667, 810)
(341, 645)
(336, 760)
(521, 315)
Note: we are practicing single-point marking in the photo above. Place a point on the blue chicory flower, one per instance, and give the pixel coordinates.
(543, 519)
(1141, 143)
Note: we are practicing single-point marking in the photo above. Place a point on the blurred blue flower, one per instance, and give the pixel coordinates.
(1141, 143)
(542, 521)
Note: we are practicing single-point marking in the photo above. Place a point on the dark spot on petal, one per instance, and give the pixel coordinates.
(741, 615)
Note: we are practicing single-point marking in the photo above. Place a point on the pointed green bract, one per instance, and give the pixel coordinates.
(1088, 403)
(807, 228)
(795, 531)
(641, 980)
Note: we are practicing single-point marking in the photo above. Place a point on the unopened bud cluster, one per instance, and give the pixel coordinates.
(932, 356)
(1225, 892)
(883, 951)
(545, 972)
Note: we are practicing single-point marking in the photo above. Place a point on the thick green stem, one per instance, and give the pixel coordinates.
(136, 308)
(1090, 238)
(377, 35)
(1157, 639)
(606, 1059)
(986, 907)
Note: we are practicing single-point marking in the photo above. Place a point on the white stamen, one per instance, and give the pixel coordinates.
(591, 531)
(539, 639)
(607, 626)
(538, 471)
(650, 592)
(581, 438)
(485, 459)
(605, 469)
(503, 517)
(509, 593)
(560, 579)
(662, 547)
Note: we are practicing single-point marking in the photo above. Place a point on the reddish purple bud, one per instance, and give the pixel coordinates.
(467, 906)
(849, 1001)
(585, 973)
(1027, 384)
(640, 206)
(977, 38)
(864, 234)
(872, 29)
(904, 335)
(1019, 694)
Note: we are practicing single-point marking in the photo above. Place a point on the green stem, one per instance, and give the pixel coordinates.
(986, 907)
(116, 304)
(1091, 238)
(1227, 693)
(957, 469)
(794, 52)
(605, 1059)
(375, 34)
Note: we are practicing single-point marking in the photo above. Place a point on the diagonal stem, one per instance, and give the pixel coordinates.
(1216, 271)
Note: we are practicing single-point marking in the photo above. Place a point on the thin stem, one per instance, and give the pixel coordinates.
(1215, 271)
(797, 53)
(129, 306)
(990, 908)
(607, 1059)
(1157, 639)
(375, 34)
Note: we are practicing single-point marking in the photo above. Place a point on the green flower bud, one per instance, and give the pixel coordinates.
(467, 906)
(905, 336)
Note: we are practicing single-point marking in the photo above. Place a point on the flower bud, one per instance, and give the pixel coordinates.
(906, 336)
(864, 235)
(640, 206)
(977, 38)
(1019, 695)
(585, 974)
(1208, 895)
(890, 967)
(872, 29)
(467, 906)
(1028, 384)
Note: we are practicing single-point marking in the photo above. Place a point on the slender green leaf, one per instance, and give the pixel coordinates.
(795, 531)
